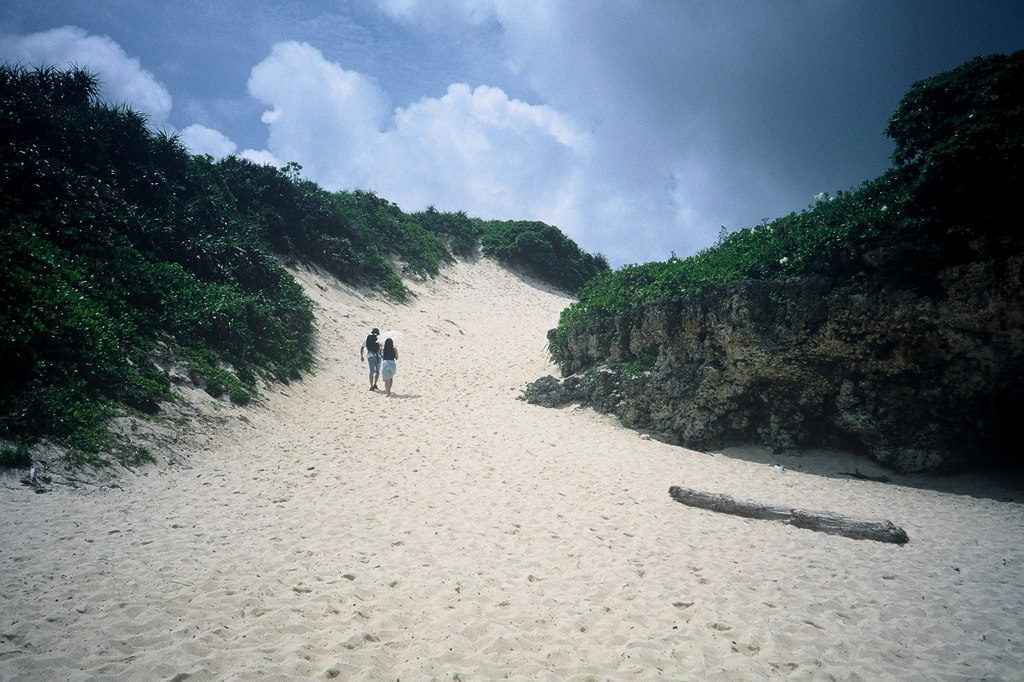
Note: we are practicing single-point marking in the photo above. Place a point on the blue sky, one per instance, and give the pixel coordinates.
(638, 127)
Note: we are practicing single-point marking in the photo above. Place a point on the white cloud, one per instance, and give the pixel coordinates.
(479, 150)
(322, 116)
(262, 157)
(472, 149)
(122, 78)
(202, 140)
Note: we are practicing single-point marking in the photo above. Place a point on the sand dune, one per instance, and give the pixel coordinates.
(455, 532)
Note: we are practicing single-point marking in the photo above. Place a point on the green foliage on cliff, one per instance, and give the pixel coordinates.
(952, 192)
(124, 254)
(541, 250)
(959, 162)
(462, 232)
(535, 247)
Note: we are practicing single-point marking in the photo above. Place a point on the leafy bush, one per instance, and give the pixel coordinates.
(15, 457)
(958, 140)
(826, 238)
(462, 232)
(116, 239)
(397, 233)
(958, 161)
(302, 220)
(541, 250)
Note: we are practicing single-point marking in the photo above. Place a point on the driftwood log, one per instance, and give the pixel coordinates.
(824, 522)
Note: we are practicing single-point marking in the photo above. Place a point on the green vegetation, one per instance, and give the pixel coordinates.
(543, 251)
(124, 255)
(952, 193)
(463, 233)
(120, 247)
(537, 248)
(639, 365)
(15, 457)
(349, 234)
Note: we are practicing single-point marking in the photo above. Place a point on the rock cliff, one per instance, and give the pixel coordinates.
(917, 381)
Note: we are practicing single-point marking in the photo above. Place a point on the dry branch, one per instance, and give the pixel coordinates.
(824, 522)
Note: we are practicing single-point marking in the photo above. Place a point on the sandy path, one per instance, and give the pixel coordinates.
(455, 532)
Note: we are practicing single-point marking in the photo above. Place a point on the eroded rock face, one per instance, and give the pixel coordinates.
(919, 383)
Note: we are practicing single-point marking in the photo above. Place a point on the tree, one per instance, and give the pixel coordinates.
(960, 146)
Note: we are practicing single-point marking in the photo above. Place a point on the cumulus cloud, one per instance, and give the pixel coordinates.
(472, 149)
(324, 117)
(262, 157)
(202, 140)
(122, 78)
(481, 151)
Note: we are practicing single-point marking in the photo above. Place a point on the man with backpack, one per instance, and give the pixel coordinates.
(371, 347)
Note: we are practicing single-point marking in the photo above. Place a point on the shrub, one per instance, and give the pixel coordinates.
(543, 251)
(462, 232)
(16, 457)
(114, 238)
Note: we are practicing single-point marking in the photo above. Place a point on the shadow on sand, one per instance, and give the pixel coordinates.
(1001, 486)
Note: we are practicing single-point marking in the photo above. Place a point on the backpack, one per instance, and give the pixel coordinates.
(372, 345)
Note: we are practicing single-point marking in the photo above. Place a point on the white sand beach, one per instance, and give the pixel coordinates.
(455, 532)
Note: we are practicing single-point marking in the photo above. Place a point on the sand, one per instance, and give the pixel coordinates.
(452, 531)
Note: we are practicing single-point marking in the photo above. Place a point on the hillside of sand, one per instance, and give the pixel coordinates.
(452, 531)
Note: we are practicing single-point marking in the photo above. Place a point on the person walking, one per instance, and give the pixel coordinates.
(371, 348)
(389, 364)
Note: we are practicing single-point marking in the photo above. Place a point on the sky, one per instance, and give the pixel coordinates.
(640, 128)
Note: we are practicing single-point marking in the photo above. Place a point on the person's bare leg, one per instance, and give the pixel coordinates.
(387, 386)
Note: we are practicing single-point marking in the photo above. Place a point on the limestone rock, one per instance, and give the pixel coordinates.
(917, 381)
